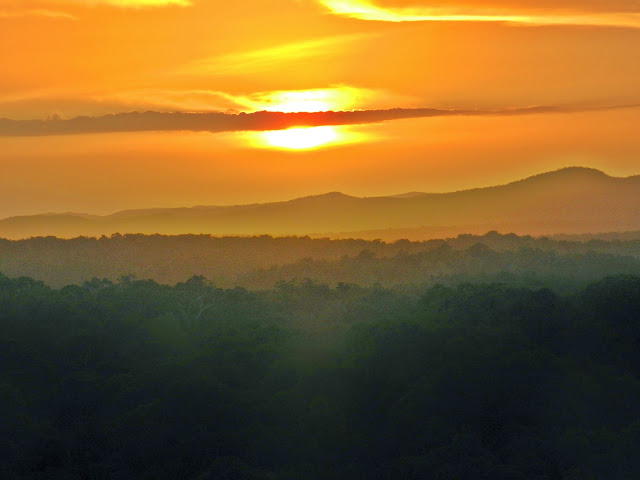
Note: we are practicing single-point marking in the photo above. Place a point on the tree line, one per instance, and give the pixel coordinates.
(260, 262)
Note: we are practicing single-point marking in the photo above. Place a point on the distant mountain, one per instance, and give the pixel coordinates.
(573, 200)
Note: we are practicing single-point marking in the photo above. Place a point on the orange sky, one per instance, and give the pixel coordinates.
(67, 58)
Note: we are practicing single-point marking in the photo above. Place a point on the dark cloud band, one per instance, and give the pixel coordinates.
(258, 121)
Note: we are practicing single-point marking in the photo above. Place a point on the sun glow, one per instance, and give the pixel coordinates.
(306, 138)
(315, 100)
(300, 138)
(368, 10)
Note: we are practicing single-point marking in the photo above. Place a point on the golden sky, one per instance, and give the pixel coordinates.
(60, 59)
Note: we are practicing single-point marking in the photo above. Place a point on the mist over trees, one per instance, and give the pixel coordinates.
(261, 262)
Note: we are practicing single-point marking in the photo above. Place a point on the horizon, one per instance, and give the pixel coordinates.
(115, 105)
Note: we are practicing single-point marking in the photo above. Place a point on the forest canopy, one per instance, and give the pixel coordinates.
(132, 379)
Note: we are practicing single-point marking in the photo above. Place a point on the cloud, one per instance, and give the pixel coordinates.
(265, 59)
(37, 13)
(130, 3)
(24, 7)
(522, 5)
(527, 13)
(257, 121)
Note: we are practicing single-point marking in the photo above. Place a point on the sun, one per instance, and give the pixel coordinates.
(300, 138)
(291, 102)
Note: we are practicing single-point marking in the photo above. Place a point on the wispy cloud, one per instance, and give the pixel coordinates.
(258, 121)
(265, 59)
(130, 3)
(37, 13)
(13, 9)
(367, 10)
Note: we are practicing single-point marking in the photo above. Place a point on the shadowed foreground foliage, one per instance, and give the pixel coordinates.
(137, 380)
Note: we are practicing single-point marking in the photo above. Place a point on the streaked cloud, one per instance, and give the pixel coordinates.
(265, 59)
(37, 13)
(367, 10)
(15, 8)
(522, 5)
(130, 3)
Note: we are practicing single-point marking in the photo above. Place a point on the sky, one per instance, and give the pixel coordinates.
(436, 96)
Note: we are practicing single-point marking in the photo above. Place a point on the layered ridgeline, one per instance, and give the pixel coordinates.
(572, 200)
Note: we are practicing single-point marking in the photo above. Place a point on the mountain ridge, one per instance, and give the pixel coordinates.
(578, 199)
